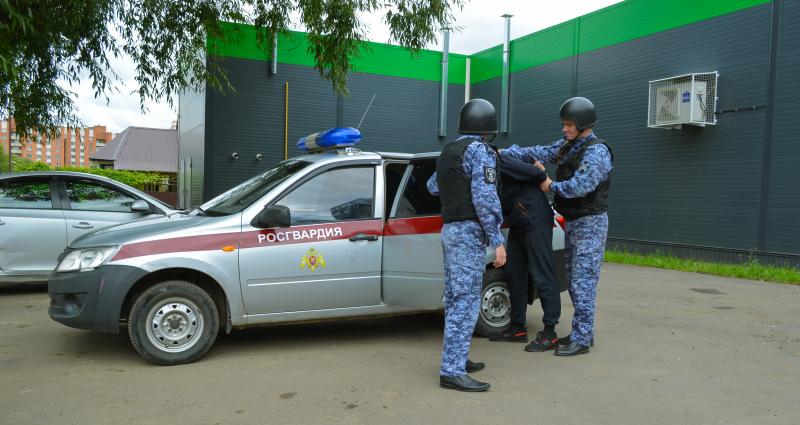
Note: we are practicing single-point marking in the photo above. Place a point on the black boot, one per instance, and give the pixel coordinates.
(544, 341)
(462, 383)
(566, 340)
(474, 366)
(571, 349)
(511, 334)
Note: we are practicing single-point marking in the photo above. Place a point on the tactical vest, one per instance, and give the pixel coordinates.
(455, 186)
(595, 202)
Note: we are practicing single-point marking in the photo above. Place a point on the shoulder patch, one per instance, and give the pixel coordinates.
(490, 174)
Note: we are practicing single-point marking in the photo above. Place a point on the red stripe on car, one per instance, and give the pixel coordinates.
(183, 244)
(252, 239)
(413, 226)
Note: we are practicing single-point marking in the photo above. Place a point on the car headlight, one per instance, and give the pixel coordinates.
(85, 259)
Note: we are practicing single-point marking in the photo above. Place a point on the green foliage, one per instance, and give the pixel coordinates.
(46, 41)
(752, 269)
(136, 179)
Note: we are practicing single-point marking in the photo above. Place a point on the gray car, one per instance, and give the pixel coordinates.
(322, 236)
(43, 212)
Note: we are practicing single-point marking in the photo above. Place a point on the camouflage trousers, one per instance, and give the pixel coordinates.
(464, 264)
(584, 245)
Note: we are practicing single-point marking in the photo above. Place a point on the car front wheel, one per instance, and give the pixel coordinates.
(495, 309)
(173, 322)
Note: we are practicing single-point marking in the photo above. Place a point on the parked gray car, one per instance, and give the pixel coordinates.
(43, 212)
(322, 236)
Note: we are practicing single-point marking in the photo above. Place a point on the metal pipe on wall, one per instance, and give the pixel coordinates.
(445, 82)
(506, 69)
(274, 68)
(466, 82)
(286, 120)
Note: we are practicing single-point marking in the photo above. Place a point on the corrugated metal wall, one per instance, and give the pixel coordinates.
(694, 191)
(191, 147)
(783, 224)
(252, 121)
(403, 117)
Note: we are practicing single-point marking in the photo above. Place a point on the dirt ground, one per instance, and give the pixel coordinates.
(671, 348)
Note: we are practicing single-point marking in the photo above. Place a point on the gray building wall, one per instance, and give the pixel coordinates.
(694, 191)
(251, 121)
(726, 192)
(403, 116)
(191, 147)
(783, 215)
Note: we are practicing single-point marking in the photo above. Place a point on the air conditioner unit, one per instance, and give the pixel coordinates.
(685, 99)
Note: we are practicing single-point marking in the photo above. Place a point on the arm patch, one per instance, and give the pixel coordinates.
(490, 175)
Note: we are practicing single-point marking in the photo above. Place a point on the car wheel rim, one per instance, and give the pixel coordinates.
(496, 305)
(174, 325)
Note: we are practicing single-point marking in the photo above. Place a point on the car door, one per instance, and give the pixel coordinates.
(32, 228)
(92, 204)
(412, 249)
(330, 256)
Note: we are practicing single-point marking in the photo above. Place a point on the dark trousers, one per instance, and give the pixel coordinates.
(530, 251)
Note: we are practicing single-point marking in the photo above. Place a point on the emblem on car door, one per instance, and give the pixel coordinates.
(312, 260)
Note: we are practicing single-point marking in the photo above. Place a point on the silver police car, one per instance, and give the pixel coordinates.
(321, 236)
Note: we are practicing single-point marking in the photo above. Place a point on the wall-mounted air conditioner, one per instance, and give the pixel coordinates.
(685, 99)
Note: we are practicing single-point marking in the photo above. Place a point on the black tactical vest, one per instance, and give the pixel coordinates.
(455, 188)
(595, 202)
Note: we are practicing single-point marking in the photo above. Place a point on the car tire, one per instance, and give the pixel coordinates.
(173, 322)
(495, 305)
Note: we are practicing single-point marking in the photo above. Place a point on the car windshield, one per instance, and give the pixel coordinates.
(241, 196)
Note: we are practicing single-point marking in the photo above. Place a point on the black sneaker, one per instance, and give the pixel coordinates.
(566, 340)
(543, 342)
(511, 335)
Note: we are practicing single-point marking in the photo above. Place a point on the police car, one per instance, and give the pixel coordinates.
(333, 234)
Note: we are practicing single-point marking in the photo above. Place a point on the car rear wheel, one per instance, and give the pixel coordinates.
(173, 322)
(495, 309)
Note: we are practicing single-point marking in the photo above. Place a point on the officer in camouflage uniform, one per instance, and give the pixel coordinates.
(583, 179)
(466, 181)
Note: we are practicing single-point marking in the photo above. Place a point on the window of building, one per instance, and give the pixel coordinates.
(91, 132)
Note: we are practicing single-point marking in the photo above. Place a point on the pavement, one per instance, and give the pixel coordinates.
(670, 348)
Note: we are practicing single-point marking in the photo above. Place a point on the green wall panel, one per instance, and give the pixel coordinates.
(612, 25)
(376, 58)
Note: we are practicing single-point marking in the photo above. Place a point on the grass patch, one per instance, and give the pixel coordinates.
(751, 270)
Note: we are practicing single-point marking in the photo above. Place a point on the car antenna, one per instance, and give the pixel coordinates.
(365, 112)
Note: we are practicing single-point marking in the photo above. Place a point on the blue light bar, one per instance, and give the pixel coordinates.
(339, 137)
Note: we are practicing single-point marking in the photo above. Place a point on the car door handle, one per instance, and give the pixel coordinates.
(82, 225)
(363, 237)
(2, 222)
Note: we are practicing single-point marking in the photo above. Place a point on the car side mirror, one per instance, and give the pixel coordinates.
(140, 206)
(272, 216)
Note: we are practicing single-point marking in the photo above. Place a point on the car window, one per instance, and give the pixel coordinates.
(416, 200)
(90, 196)
(394, 174)
(241, 196)
(33, 194)
(335, 195)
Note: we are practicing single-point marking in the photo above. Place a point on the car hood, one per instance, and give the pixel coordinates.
(121, 234)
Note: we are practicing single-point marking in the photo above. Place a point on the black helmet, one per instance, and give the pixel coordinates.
(579, 110)
(477, 117)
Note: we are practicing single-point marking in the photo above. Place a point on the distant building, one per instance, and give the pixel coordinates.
(71, 147)
(140, 149)
(144, 149)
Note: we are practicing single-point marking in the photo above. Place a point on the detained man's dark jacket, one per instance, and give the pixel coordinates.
(522, 201)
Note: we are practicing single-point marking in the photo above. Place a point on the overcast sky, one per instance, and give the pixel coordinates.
(480, 25)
